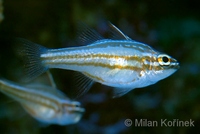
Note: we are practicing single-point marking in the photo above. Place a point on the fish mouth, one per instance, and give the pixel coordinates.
(175, 65)
(77, 110)
(178, 66)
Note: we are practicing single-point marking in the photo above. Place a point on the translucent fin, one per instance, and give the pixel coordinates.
(82, 84)
(51, 80)
(45, 79)
(87, 35)
(31, 54)
(118, 92)
(116, 33)
(48, 90)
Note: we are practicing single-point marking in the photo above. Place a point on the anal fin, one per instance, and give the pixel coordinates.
(118, 92)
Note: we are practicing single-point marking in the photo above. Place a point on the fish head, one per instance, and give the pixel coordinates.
(71, 113)
(162, 66)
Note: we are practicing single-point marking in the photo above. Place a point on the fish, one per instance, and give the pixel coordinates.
(43, 101)
(118, 62)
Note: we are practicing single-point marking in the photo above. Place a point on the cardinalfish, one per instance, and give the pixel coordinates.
(119, 62)
(44, 102)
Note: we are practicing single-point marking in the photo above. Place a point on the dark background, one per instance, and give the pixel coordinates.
(170, 26)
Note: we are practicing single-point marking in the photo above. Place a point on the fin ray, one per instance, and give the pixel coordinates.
(45, 89)
(51, 80)
(31, 54)
(118, 92)
(116, 33)
(82, 84)
(86, 35)
(45, 79)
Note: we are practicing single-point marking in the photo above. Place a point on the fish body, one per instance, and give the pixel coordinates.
(119, 62)
(44, 103)
(114, 63)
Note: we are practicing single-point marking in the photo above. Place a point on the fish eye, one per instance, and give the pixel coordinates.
(76, 105)
(164, 59)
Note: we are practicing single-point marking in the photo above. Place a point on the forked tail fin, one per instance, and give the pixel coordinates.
(31, 54)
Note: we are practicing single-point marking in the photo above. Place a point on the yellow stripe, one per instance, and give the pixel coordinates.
(51, 61)
(129, 67)
(22, 94)
(79, 56)
(97, 64)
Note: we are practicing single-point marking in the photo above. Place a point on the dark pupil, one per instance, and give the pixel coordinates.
(165, 59)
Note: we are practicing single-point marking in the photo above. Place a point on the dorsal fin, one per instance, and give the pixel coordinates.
(86, 35)
(116, 33)
(45, 83)
(45, 79)
(44, 89)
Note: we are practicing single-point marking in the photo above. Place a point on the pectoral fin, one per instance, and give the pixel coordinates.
(82, 84)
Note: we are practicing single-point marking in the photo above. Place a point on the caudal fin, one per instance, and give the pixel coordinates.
(31, 53)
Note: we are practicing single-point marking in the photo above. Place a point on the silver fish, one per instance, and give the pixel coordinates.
(118, 62)
(44, 102)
